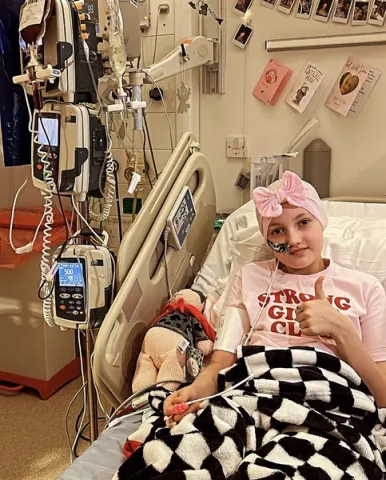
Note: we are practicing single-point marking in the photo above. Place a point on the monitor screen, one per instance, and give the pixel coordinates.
(70, 274)
(49, 131)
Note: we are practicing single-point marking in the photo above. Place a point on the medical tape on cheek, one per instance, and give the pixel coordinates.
(230, 332)
(278, 247)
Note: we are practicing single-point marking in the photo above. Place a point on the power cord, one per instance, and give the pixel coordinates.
(110, 180)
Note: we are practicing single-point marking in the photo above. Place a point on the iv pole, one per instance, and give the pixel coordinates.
(92, 404)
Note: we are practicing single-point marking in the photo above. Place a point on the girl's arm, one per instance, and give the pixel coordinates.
(318, 317)
(354, 353)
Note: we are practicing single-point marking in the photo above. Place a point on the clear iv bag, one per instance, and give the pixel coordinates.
(117, 49)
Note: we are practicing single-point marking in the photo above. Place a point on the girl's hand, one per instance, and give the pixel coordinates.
(175, 407)
(319, 318)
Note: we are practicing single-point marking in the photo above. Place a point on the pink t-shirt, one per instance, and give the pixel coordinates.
(357, 295)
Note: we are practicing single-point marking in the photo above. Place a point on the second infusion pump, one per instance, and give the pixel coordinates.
(83, 285)
(74, 140)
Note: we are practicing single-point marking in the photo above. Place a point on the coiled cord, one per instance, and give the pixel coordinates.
(46, 248)
(110, 180)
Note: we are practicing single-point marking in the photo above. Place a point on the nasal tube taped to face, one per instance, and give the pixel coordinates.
(230, 332)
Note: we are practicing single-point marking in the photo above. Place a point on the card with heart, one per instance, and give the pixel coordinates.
(346, 88)
(272, 82)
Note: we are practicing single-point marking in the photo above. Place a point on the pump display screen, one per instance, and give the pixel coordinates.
(71, 275)
(49, 131)
(184, 217)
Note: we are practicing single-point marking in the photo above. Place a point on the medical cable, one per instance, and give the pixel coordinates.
(49, 220)
(86, 439)
(166, 235)
(25, 248)
(85, 221)
(263, 306)
(150, 145)
(110, 179)
(59, 196)
(72, 457)
(118, 204)
(250, 377)
(165, 109)
(107, 417)
(156, 33)
(147, 166)
(148, 389)
(67, 414)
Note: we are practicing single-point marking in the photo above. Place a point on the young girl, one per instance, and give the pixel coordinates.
(312, 301)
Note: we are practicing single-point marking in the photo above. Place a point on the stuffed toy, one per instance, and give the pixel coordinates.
(188, 317)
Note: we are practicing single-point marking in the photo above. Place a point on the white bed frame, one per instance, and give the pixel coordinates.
(141, 269)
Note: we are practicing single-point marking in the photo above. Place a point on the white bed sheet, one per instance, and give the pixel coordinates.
(355, 238)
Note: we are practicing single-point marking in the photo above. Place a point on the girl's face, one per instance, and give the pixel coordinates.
(302, 232)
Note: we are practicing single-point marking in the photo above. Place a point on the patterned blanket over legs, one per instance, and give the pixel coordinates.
(304, 415)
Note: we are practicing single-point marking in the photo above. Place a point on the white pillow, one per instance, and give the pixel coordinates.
(355, 238)
(356, 243)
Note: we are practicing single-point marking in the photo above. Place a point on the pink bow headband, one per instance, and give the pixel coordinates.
(291, 189)
(268, 202)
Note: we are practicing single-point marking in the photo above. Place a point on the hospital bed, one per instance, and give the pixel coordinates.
(356, 236)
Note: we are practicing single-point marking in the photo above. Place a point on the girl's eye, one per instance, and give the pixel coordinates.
(277, 231)
(305, 221)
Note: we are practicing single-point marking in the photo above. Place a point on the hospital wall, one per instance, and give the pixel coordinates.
(358, 144)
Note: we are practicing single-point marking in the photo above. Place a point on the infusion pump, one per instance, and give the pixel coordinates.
(74, 140)
(83, 284)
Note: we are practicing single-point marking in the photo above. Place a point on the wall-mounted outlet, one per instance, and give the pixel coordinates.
(235, 147)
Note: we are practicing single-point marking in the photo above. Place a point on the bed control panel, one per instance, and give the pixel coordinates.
(181, 219)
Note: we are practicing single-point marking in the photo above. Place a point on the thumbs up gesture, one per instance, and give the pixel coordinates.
(318, 317)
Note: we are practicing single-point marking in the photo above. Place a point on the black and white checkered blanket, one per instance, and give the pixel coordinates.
(304, 415)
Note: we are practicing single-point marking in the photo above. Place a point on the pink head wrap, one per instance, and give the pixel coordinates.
(289, 189)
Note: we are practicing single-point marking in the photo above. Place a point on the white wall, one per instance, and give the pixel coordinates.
(358, 145)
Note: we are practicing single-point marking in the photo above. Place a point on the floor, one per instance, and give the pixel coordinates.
(33, 442)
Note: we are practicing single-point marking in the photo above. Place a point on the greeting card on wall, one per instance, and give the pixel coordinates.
(364, 92)
(346, 88)
(272, 82)
(305, 86)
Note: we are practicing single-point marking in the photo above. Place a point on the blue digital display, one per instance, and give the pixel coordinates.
(184, 218)
(71, 275)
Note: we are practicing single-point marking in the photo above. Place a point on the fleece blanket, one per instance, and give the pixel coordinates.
(304, 415)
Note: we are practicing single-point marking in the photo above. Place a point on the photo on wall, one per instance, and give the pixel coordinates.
(342, 11)
(361, 12)
(242, 35)
(269, 3)
(241, 7)
(304, 9)
(378, 13)
(323, 10)
(286, 6)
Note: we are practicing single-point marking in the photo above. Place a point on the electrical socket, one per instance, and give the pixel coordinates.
(235, 147)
